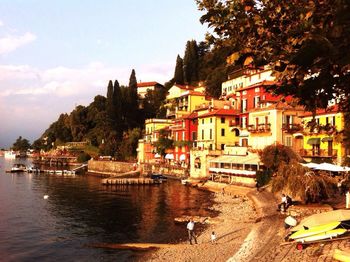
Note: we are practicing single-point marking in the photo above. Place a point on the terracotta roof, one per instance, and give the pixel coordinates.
(145, 84)
(263, 83)
(191, 116)
(185, 87)
(193, 93)
(221, 112)
(329, 110)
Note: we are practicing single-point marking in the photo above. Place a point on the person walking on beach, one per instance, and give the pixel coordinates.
(213, 237)
(190, 229)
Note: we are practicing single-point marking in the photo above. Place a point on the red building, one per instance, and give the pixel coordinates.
(184, 133)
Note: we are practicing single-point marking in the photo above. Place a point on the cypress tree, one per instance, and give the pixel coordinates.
(190, 62)
(109, 103)
(179, 72)
(118, 109)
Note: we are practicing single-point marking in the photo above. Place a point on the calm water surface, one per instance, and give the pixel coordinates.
(80, 211)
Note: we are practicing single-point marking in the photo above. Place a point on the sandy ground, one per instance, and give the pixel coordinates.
(251, 230)
(234, 223)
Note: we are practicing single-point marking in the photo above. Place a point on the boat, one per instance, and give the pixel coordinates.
(185, 181)
(340, 215)
(341, 255)
(303, 233)
(10, 154)
(33, 169)
(158, 177)
(17, 168)
(325, 235)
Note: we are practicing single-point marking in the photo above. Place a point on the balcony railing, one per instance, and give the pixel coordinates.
(292, 128)
(318, 152)
(261, 128)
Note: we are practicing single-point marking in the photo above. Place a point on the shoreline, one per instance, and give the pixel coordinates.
(237, 216)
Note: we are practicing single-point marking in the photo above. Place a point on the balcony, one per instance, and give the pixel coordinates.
(170, 112)
(234, 123)
(261, 128)
(318, 152)
(292, 128)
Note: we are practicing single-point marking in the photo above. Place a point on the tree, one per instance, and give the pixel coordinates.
(190, 63)
(179, 71)
(110, 103)
(21, 144)
(273, 156)
(118, 105)
(163, 143)
(127, 149)
(304, 41)
(132, 114)
(302, 183)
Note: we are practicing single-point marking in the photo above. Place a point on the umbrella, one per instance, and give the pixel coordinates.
(323, 218)
(182, 157)
(157, 155)
(311, 165)
(331, 167)
(169, 156)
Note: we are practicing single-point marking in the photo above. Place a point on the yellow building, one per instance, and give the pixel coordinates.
(145, 150)
(214, 130)
(275, 122)
(324, 140)
(182, 100)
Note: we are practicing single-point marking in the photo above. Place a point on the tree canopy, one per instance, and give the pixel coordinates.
(21, 144)
(304, 42)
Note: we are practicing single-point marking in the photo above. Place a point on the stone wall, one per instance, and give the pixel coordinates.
(109, 167)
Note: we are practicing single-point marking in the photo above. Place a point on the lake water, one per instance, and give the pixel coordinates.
(80, 211)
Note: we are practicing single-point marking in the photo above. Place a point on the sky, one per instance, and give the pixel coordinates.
(57, 54)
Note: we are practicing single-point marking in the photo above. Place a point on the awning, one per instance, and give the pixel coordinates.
(182, 157)
(250, 159)
(327, 139)
(169, 156)
(314, 141)
(298, 135)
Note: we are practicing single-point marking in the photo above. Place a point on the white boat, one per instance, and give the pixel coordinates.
(10, 154)
(17, 168)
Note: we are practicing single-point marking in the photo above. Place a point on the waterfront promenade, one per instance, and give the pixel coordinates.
(249, 229)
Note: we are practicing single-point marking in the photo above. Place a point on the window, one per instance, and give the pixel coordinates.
(202, 121)
(244, 122)
(333, 120)
(266, 120)
(211, 120)
(256, 122)
(222, 131)
(256, 101)
(210, 147)
(183, 135)
(222, 146)
(210, 134)
(288, 141)
(245, 142)
(244, 105)
(194, 136)
(203, 134)
(327, 120)
(222, 120)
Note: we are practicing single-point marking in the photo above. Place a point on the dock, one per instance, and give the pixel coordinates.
(130, 181)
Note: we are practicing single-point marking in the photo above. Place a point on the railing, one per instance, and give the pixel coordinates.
(319, 152)
(292, 128)
(261, 128)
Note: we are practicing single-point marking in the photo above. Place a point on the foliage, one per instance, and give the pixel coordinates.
(83, 157)
(21, 144)
(263, 177)
(163, 143)
(191, 63)
(179, 72)
(127, 149)
(274, 155)
(300, 182)
(304, 41)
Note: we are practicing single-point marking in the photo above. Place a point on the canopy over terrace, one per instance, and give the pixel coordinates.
(234, 168)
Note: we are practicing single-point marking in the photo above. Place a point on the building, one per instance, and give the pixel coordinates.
(143, 87)
(275, 122)
(323, 136)
(182, 100)
(184, 134)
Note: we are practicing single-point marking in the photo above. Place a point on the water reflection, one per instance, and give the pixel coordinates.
(80, 211)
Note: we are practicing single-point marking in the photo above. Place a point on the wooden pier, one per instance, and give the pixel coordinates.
(130, 181)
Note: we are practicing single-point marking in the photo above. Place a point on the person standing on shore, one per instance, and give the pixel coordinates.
(190, 229)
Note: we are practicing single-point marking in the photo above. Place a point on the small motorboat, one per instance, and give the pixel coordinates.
(159, 177)
(17, 168)
(33, 169)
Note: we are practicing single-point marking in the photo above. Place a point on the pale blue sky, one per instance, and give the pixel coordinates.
(57, 54)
